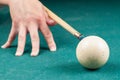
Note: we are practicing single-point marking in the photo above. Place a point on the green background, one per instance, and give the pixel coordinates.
(90, 17)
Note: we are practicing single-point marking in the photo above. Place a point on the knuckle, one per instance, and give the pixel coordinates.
(41, 15)
(21, 37)
(35, 49)
(41, 18)
(34, 37)
(50, 42)
(29, 18)
(16, 21)
(8, 42)
(20, 48)
(48, 34)
(10, 37)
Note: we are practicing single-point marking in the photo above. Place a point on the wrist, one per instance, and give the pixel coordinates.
(4, 2)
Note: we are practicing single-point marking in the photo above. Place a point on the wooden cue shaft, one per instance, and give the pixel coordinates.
(63, 24)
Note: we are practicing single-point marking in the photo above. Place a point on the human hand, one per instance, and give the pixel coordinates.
(29, 16)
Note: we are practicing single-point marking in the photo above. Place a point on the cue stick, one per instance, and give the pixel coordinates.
(63, 24)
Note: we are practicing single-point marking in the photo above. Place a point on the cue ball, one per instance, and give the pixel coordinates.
(92, 52)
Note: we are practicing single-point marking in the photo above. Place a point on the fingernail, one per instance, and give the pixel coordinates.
(3, 46)
(18, 54)
(51, 21)
(33, 54)
(53, 49)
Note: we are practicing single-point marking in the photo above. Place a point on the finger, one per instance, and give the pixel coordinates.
(21, 40)
(49, 21)
(33, 30)
(11, 37)
(48, 35)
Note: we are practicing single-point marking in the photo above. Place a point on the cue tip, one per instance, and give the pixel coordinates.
(79, 36)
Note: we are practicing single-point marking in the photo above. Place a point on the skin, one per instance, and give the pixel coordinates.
(29, 16)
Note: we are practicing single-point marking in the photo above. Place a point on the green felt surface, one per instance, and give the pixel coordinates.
(101, 18)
